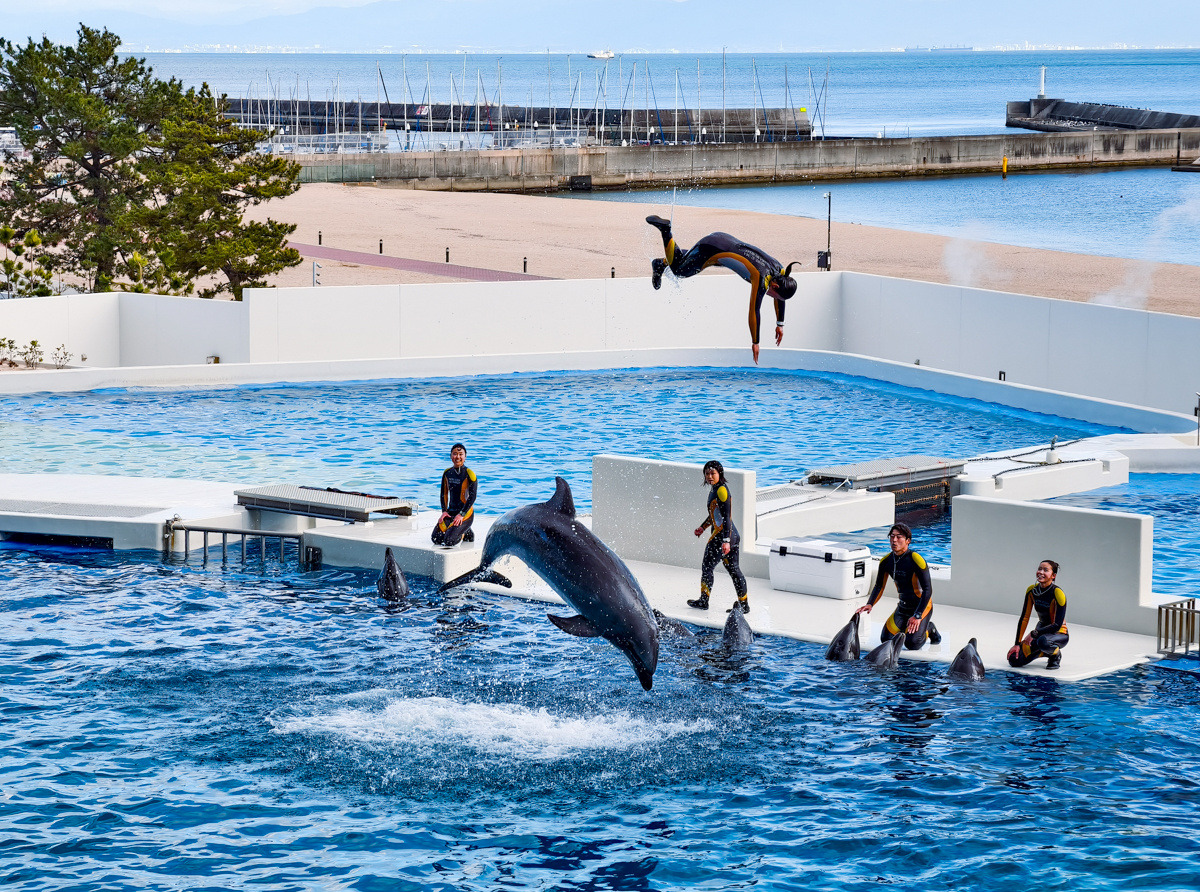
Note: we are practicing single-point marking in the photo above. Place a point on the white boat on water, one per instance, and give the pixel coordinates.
(603, 54)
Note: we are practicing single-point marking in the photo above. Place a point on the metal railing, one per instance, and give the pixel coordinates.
(1178, 624)
(307, 558)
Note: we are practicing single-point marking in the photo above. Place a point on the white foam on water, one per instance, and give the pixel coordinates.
(497, 728)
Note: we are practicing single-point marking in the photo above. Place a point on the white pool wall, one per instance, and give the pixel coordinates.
(1105, 364)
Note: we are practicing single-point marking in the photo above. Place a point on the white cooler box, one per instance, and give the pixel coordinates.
(817, 567)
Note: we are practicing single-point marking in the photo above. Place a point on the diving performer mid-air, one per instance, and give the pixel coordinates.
(761, 270)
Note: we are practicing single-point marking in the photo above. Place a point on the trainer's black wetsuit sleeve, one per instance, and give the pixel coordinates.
(780, 307)
(725, 506)
(756, 299)
(881, 578)
(1026, 611)
(470, 489)
(921, 578)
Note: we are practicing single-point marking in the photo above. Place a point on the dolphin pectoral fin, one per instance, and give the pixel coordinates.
(561, 501)
(479, 574)
(580, 626)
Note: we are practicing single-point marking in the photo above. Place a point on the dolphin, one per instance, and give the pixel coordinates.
(844, 646)
(737, 634)
(672, 628)
(391, 583)
(585, 572)
(967, 664)
(887, 655)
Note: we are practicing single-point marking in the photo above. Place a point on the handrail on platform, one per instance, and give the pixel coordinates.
(1178, 625)
(306, 558)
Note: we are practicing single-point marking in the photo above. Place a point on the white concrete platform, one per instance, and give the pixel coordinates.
(132, 511)
(1043, 473)
(1092, 652)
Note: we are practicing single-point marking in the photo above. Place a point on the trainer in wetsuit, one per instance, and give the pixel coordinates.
(459, 487)
(914, 589)
(723, 542)
(761, 270)
(1049, 636)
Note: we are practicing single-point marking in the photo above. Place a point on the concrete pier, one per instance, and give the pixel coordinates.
(560, 168)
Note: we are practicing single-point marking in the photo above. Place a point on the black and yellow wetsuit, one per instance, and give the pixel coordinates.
(720, 519)
(722, 249)
(1049, 636)
(459, 487)
(914, 589)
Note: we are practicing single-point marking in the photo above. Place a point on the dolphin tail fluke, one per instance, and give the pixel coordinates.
(479, 574)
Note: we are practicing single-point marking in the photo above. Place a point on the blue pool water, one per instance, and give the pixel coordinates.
(178, 727)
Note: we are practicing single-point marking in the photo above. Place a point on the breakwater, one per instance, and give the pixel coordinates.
(558, 168)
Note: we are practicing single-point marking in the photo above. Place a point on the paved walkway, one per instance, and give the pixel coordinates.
(448, 270)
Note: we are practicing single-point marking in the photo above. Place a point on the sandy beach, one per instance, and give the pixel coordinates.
(570, 238)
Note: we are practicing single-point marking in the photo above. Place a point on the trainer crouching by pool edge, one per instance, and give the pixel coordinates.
(459, 488)
(914, 590)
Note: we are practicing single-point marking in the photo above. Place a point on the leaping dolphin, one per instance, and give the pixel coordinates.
(737, 634)
(585, 572)
(844, 646)
(391, 583)
(887, 655)
(967, 664)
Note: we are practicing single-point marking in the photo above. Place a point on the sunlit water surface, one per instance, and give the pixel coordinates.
(179, 727)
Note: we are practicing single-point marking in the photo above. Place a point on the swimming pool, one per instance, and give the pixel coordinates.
(166, 726)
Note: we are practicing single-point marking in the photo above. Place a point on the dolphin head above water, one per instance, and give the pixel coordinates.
(581, 569)
(967, 665)
(737, 634)
(887, 655)
(844, 646)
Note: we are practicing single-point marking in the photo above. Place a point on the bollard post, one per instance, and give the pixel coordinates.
(318, 236)
(614, 272)
(525, 264)
(381, 246)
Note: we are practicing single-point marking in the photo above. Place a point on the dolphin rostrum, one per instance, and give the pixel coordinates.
(844, 646)
(737, 634)
(391, 583)
(887, 655)
(967, 664)
(585, 572)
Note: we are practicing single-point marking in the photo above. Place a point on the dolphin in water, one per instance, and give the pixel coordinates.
(585, 572)
(887, 655)
(844, 646)
(967, 664)
(671, 628)
(391, 583)
(737, 634)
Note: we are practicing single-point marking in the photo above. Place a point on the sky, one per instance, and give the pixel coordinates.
(625, 26)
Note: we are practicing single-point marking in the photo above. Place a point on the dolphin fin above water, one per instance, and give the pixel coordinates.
(737, 634)
(579, 626)
(391, 584)
(967, 665)
(479, 574)
(844, 646)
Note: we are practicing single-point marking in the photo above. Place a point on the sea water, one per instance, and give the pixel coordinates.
(167, 726)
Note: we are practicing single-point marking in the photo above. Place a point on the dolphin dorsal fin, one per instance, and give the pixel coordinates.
(561, 501)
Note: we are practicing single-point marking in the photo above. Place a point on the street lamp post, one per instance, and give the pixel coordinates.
(825, 258)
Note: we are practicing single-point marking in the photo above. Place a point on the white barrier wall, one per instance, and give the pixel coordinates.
(647, 510)
(166, 330)
(1105, 561)
(500, 318)
(87, 324)
(1112, 353)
